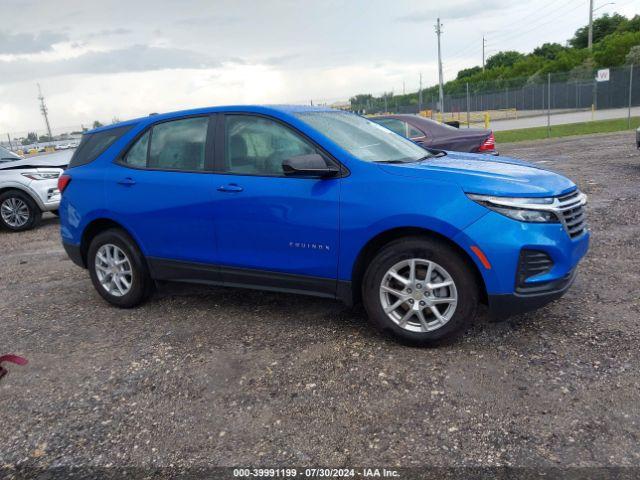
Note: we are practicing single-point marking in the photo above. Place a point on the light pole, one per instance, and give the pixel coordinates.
(591, 10)
(441, 91)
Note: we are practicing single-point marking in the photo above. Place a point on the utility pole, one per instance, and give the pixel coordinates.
(43, 109)
(420, 95)
(590, 41)
(441, 91)
(403, 91)
(484, 44)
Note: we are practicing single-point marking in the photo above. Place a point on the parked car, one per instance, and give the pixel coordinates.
(8, 155)
(431, 134)
(322, 202)
(28, 187)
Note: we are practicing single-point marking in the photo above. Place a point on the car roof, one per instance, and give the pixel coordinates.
(264, 109)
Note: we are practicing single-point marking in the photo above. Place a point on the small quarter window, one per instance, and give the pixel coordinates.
(414, 132)
(137, 155)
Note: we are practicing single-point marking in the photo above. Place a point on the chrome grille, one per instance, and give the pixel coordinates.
(570, 209)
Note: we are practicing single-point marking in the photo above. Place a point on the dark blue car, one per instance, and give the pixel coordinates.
(320, 202)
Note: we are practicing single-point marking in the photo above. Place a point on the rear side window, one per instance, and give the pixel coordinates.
(93, 144)
(392, 124)
(179, 145)
(175, 145)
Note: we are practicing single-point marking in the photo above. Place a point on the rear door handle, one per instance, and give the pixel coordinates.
(231, 187)
(127, 182)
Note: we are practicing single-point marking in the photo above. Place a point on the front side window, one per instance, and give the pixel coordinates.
(258, 146)
(363, 138)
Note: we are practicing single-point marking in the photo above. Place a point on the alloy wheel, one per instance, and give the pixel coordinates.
(15, 212)
(113, 269)
(418, 295)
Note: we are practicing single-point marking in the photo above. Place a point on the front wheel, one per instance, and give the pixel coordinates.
(421, 290)
(18, 212)
(118, 270)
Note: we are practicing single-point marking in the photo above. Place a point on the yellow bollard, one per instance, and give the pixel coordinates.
(486, 120)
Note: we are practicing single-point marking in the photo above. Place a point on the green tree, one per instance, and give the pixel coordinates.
(503, 59)
(550, 51)
(603, 26)
(612, 50)
(468, 72)
(633, 57)
(32, 137)
(97, 124)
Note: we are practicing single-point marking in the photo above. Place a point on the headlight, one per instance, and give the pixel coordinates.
(41, 175)
(538, 210)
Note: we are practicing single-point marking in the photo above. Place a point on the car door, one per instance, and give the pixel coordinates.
(273, 230)
(161, 189)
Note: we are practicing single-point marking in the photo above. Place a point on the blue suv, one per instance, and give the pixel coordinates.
(320, 202)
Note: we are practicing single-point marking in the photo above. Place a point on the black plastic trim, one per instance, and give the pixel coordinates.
(194, 272)
(507, 305)
(75, 254)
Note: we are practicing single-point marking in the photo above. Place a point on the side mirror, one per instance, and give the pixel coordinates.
(309, 166)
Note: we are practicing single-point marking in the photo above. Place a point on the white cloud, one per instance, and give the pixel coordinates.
(121, 58)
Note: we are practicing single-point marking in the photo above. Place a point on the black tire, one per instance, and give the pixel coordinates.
(142, 286)
(34, 212)
(427, 249)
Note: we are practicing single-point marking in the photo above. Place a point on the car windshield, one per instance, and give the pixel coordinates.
(7, 156)
(363, 138)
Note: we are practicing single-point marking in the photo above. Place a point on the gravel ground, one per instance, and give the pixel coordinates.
(211, 376)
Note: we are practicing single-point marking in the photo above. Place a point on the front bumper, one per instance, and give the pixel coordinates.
(506, 305)
(75, 254)
(46, 193)
(503, 241)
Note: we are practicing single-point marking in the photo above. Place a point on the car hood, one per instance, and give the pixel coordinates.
(36, 162)
(477, 173)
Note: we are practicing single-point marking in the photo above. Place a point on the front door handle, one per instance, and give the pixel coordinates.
(231, 187)
(127, 182)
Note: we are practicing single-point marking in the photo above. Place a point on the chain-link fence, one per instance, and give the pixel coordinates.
(575, 90)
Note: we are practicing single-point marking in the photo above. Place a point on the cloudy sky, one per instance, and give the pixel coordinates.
(112, 58)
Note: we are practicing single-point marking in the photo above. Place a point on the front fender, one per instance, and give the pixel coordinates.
(13, 185)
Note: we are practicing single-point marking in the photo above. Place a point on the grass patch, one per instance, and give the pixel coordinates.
(566, 130)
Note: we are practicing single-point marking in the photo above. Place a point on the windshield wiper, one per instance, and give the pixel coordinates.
(438, 153)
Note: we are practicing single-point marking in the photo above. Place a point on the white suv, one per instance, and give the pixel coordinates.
(28, 187)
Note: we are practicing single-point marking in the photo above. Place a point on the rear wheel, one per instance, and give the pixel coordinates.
(118, 270)
(18, 211)
(421, 290)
